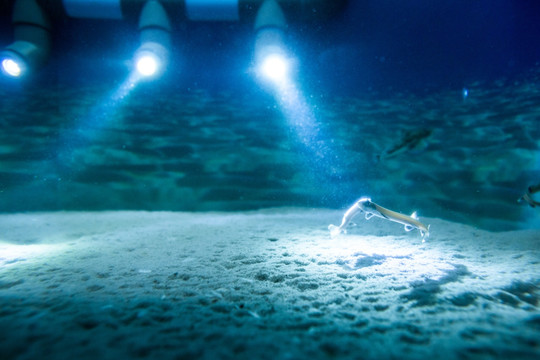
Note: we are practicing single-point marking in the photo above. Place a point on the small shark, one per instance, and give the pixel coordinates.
(411, 140)
(371, 209)
(527, 197)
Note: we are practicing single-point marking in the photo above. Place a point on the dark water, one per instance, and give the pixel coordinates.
(388, 118)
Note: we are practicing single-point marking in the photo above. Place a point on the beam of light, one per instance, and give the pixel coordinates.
(88, 127)
(11, 67)
(322, 165)
(302, 120)
(125, 88)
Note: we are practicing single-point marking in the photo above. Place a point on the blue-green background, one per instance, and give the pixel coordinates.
(207, 136)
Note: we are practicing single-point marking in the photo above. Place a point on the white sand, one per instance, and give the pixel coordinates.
(268, 284)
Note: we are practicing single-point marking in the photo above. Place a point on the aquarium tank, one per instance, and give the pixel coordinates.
(269, 179)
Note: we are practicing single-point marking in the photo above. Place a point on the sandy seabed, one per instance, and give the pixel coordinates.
(268, 284)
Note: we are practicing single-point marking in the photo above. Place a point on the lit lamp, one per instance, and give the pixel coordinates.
(152, 56)
(32, 44)
(270, 55)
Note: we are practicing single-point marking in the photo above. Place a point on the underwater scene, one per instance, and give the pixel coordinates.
(467, 158)
(372, 194)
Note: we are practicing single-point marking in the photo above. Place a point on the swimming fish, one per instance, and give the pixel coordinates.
(528, 198)
(411, 139)
(371, 209)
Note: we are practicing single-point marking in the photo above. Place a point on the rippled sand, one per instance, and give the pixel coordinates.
(268, 284)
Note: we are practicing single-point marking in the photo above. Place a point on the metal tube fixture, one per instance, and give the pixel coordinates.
(271, 59)
(32, 22)
(152, 57)
(154, 24)
(270, 15)
(32, 37)
(270, 26)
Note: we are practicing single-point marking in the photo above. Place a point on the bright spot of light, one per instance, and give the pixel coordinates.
(11, 67)
(147, 65)
(275, 67)
(11, 254)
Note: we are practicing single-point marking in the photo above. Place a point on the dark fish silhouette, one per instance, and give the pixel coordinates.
(527, 197)
(411, 140)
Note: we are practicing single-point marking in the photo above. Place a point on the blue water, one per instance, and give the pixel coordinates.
(425, 106)
(207, 136)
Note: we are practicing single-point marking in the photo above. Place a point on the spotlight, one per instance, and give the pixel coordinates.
(11, 67)
(152, 56)
(31, 47)
(275, 67)
(270, 55)
(147, 65)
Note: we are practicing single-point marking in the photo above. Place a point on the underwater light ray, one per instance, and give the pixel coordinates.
(300, 117)
(88, 127)
(321, 160)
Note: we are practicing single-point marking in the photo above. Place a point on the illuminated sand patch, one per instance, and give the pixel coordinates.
(269, 284)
